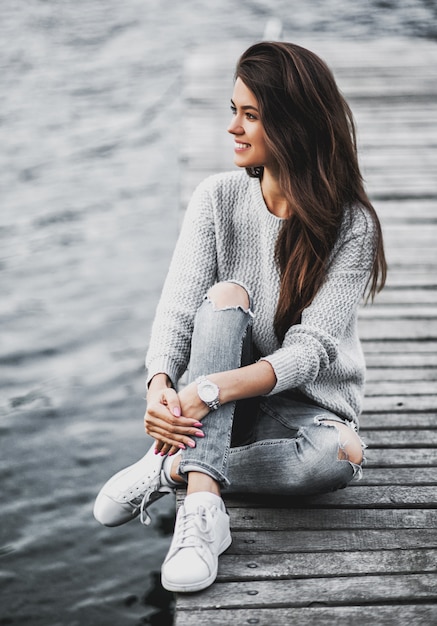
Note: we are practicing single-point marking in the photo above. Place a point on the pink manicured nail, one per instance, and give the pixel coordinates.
(191, 444)
(198, 424)
(177, 411)
(182, 447)
(156, 451)
(199, 433)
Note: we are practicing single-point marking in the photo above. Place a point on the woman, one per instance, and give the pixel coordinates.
(284, 252)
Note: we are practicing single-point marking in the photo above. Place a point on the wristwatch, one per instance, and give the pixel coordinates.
(208, 392)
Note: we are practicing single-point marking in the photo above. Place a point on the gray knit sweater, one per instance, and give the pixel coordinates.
(229, 234)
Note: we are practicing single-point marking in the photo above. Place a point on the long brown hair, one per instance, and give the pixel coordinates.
(311, 135)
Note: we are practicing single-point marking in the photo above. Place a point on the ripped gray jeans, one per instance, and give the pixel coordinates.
(273, 445)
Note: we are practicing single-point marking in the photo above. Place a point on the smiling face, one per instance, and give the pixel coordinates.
(250, 147)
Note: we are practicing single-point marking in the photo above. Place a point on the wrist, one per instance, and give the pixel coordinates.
(209, 392)
(158, 382)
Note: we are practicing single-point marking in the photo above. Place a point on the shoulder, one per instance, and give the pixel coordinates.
(357, 237)
(357, 223)
(224, 184)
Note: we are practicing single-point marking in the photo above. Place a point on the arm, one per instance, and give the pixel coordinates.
(193, 269)
(311, 348)
(173, 419)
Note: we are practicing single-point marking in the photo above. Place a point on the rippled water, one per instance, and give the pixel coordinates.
(89, 127)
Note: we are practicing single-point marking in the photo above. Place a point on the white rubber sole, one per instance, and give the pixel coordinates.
(203, 584)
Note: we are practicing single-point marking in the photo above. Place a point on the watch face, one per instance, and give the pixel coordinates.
(208, 391)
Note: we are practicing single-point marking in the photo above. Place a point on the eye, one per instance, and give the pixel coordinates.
(233, 109)
(250, 116)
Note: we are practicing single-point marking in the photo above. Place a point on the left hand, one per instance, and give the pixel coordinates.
(164, 430)
(191, 405)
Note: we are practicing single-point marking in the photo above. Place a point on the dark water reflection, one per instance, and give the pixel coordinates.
(89, 121)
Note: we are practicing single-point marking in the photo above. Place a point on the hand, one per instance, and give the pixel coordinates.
(163, 420)
(191, 405)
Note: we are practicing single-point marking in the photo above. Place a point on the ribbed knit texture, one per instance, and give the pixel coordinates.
(229, 234)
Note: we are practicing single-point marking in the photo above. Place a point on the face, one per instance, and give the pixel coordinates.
(250, 148)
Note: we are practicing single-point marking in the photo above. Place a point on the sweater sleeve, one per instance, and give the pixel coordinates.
(192, 271)
(311, 347)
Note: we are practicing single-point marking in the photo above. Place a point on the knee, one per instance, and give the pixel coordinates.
(350, 446)
(227, 294)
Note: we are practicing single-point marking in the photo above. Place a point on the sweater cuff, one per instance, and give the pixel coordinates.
(286, 373)
(165, 365)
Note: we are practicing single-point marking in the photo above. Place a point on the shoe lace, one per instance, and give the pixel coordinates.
(194, 528)
(153, 493)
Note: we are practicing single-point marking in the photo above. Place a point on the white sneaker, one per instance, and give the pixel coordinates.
(201, 534)
(131, 491)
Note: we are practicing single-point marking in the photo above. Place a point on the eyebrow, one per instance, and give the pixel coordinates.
(245, 107)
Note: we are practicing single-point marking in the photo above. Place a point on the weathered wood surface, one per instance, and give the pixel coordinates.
(366, 554)
(416, 614)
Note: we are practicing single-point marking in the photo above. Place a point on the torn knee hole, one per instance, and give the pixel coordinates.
(227, 295)
(350, 447)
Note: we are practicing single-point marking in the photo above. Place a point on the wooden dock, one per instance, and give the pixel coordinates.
(367, 554)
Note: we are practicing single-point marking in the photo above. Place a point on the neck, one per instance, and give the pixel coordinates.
(273, 195)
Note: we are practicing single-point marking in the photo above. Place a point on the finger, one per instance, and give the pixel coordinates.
(171, 400)
(180, 442)
(162, 412)
(174, 430)
(173, 450)
(158, 446)
(180, 439)
(165, 449)
(182, 426)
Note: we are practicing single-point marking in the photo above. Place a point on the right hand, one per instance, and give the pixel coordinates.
(163, 420)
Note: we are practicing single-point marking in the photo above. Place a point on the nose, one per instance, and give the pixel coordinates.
(235, 127)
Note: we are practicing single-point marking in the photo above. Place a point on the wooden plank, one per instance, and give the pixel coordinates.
(406, 457)
(400, 311)
(328, 591)
(396, 387)
(394, 421)
(360, 497)
(411, 439)
(400, 348)
(388, 404)
(406, 296)
(327, 564)
(247, 542)
(411, 256)
(410, 277)
(377, 160)
(404, 234)
(398, 438)
(396, 476)
(421, 361)
(406, 375)
(413, 329)
(320, 519)
(386, 83)
(405, 615)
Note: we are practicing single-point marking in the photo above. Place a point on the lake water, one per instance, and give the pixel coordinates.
(89, 127)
